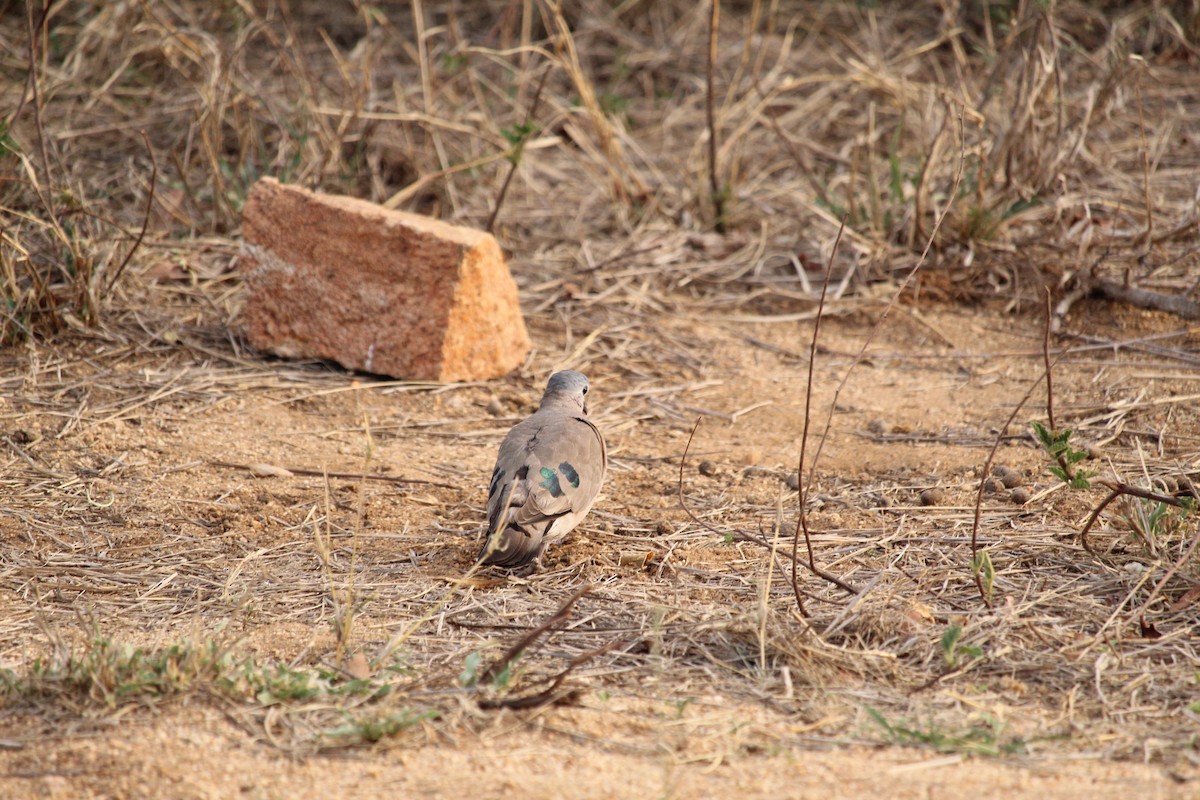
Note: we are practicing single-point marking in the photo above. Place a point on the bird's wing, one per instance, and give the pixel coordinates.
(549, 470)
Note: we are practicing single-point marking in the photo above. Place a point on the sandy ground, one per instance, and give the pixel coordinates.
(168, 542)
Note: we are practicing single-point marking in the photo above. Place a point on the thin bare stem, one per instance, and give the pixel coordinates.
(802, 488)
(145, 217)
(1046, 361)
(1149, 234)
(521, 645)
(710, 101)
(1115, 490)
(518, 149)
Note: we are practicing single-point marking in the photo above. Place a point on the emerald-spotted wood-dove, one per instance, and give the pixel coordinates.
(547, 475)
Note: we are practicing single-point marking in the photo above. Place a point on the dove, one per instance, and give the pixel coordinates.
(547, 475)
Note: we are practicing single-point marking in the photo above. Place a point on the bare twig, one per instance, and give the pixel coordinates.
(550, 694)
(518, 148)
(317, 473)
(987, 464)
(1177, 304)
(145, 217)
(1115, 490)
(803, 488)
(1149, 233)
(710, 102)
(522, 644)
(1049, 372)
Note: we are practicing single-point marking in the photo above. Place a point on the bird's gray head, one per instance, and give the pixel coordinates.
(566, 389)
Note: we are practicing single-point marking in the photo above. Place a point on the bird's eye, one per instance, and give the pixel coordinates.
(585, 390)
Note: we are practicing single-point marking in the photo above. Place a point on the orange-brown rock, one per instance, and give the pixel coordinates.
(376, 290)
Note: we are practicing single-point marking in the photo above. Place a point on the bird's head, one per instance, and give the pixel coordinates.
(567, 389)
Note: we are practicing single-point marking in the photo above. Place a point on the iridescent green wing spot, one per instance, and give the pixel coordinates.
(570, 474)
(550, 482)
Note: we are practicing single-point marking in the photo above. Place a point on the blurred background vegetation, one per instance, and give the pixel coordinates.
(1057, 140)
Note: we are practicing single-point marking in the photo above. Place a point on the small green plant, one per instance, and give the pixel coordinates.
(1155, 521)
(283, 684)
(8, 145)
(985, 572)
(109, 674)
(504, 676)
(1058, 445)
(1151, 520)
(373, 728)
(983, 737)
(454, 62)
(953, 652)
(472, 676)
(113, 675)
(517, 136)
(470, 673)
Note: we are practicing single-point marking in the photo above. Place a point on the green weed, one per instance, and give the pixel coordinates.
(1058, 445)
(953, 653)
(984, 737)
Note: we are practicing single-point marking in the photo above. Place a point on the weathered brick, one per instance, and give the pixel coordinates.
(376, 290)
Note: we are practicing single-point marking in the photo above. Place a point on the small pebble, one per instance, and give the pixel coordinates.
(991, 485)
(1011, 479)
(792, 481)
(663, 529)
(932, 496)
(708, 468)
(1020, 495)
(494, 408)
(874, 500)
(878, 426)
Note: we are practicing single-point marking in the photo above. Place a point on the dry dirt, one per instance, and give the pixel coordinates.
(224, 575)
(129, 519)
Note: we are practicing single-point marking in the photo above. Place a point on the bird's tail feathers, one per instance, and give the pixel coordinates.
(511, 546)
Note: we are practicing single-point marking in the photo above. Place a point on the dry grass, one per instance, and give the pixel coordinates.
(1069, 125)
